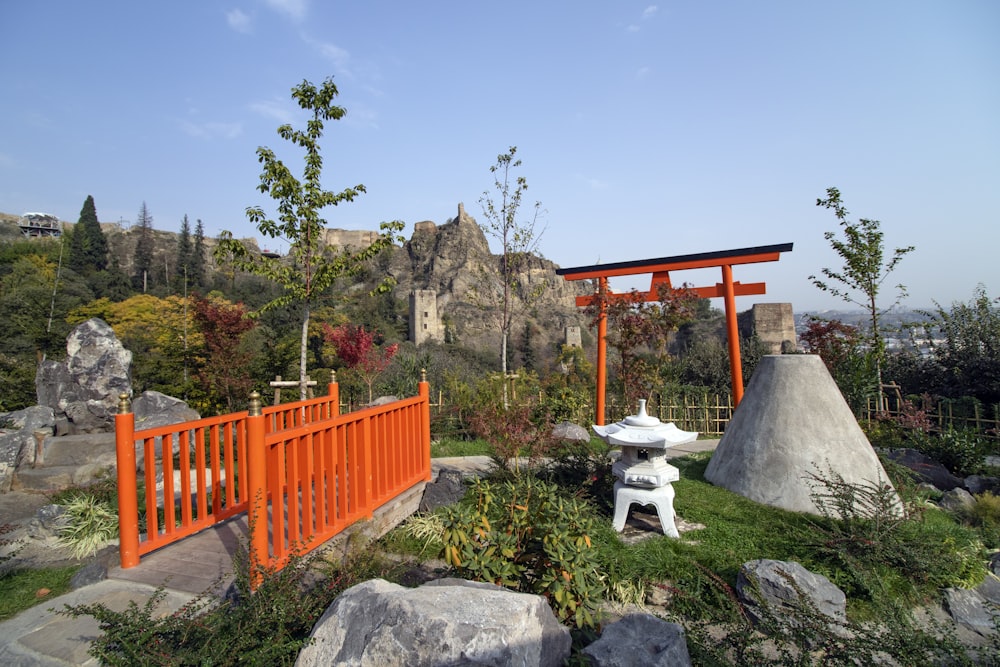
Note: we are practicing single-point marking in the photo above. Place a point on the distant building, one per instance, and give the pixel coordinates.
(573, 337)
(40, 224)
(773, 324)
(424, 322)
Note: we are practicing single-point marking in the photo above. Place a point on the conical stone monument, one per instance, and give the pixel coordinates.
(792, 424)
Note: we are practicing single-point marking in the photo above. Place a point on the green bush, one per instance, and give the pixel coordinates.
(869, 537)
(525, 535)
(90, 524)
(266, 627)
(962, 451)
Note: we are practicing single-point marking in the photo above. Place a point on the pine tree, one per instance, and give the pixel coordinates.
(88, 248)
(184, 251)
(77, 259)
(142, 264)
(196, 270)
(94, 241)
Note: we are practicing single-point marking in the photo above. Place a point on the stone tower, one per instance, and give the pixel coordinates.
(773, 324)
(424, 322)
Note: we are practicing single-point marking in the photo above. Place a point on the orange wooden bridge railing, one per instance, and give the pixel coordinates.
(302, 471)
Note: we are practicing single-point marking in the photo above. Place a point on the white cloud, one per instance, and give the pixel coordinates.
(593, 183)
(648, 12)
(294, 9)
(340, 58)
(279, 110)
(239, 21)
(632, 28)
(212, 130)
(642, 72)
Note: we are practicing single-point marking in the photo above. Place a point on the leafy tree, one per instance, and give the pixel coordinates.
(313, 266)
(184, 257)
(142, 263)
(969, 349)
(842, 349)
(34, 299)
(153, 329)
(224, 372)
(865, 269)
(640, 331)
(357, 348)
(506, 292)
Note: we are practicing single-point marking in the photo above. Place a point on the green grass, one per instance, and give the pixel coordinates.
(446, 447)
(19, 588)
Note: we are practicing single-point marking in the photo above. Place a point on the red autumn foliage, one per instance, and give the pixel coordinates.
(225, 368)
(357, 348)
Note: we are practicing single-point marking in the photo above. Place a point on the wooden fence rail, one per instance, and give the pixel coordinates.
(302, 471)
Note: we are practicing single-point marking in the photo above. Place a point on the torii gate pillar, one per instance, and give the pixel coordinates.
(728, 289)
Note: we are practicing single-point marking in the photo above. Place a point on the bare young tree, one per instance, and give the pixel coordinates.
(859, 280)
(505, 290)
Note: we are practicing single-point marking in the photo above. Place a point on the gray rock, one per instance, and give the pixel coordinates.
(17, 443)
(958, 500)
(640, 640)
(378, 623)
(792, 425)
(925, 468)
(83, 390)
(995, 563)
(447, 489)
(971, 610)
(977, 484)
(776, 585)
(570, 432)
(89, 574)
(153, 409)
(990, 589)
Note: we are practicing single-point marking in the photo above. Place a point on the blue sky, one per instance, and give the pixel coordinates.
(646, 130)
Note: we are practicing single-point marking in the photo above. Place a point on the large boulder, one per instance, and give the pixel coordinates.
(83, 389)
(640, 640)
(17, 440)
(792, 427)
(444, 622)
(152, 410)
(784, 589)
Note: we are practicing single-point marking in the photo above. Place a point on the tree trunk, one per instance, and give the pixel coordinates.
(503, 367)
(302, 354)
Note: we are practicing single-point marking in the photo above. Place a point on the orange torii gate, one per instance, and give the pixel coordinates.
(661, 268)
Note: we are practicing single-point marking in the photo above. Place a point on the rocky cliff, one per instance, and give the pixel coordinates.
(450, 260)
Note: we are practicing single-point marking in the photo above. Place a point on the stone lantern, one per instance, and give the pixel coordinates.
(642, 474)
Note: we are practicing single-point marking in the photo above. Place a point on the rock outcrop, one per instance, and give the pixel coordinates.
(443, 622)
(449, 260)
(83, 389)
(18, 440)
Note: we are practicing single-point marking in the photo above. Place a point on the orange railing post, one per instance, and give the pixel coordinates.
(424, 390)
(334, 392)
(257, 482)
(128, 502)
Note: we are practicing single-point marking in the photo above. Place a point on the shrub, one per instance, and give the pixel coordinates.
(525, 535)
(90, 524)
(266, 627)
(869, 537)
(962, 451)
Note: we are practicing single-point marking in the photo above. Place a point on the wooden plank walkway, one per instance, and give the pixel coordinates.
(197, 564)
(203, 562)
